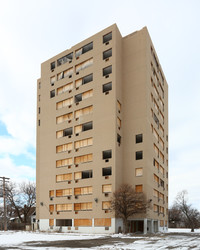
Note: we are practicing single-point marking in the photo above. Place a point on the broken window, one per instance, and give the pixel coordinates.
(63, 222)
(52, 93)
(107, 171)
(53, 65)
(107, 71)
(78, 98)
(84, 49)
(87, 174)
(107, 54)
(67, 132)
(87, 126)
(107, 154)
(52, 80)
(107, 37)
(107, 87)
(64, 59)
(139, 155)
(138, 138)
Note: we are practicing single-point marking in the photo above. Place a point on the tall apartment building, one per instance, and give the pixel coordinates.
(102, 120)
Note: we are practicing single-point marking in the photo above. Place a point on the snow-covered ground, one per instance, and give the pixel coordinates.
(183, 240)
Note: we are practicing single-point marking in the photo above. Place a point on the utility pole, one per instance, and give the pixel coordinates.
(4, 179)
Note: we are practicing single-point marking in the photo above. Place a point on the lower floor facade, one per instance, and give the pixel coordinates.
(102, 225)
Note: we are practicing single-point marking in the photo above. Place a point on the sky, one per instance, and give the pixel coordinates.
(34, 31)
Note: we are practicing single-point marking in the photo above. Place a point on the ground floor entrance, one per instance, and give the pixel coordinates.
(143, 226)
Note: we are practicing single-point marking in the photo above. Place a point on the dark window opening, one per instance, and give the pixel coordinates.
(138, 155)
(87, 126)
(138, 138)
(39, 110)
(107, 87)
(64, 59)
(119, 138)
(107, 154)
(87, 47)
(38, 122)
(39, 85)
(87, 79)
(63, 223)
(67, 131)
(53, 65)
(107, 37)
(87, 174)
(107, 54)
(52, 93)
(78, 98)
(107, 171)
(162, 184)
(107, 70)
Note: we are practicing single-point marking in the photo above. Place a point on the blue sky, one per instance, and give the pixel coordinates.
(34, 31)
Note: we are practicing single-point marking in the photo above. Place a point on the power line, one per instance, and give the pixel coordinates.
(5, 180)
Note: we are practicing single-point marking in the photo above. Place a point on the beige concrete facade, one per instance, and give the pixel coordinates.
(101, 95)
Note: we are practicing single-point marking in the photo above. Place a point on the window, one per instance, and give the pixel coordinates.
(84, 111)
(106, 205)
(63, 207)
(119, 123)
(63, 222)
(84, 49)
(64, 103)
(138, 188)
(156, 208)
(53, 65)
(65, 88)
(83, 96)
(156, 178)
(83, 127)
(155, 193)
(119, 106)
(82, 222)
(107, 171)
(51, 193)
(139, 138)
(52, 93)
(107, 71)
(107, 87)
(87, 174)
(83, 190)
(64, 147)
(107, 38)
(64, 59)
(102, 222)
(39, 85)
(83, 206)
(52, 80)
(156, 164)
(51, 222)
(66, 73)
(63, 177)
(65, 132)
(139, 155)
(138, 172)
(38, 122)
(107, 154)
(84, 65)
(107, 54)
(51, 208)
(64, 162)
(107, 188)
(156, 120)
(83, 143)
(64, 192)
(39, 110)
(119, 138)
(39, 97)
(83, 158)
(64, 118)
(156, 150)
(84, 80)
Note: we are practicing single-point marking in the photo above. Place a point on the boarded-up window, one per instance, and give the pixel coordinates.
(63, 177)
(63, 207)
(138, 188)
(52, 80)
(161, 196)
(84, 65)
(162, 157)
(162, 171)
(64, 162)
(119, 106)
(83, 190)
(64, 118)
(107, 188)
(65, 88)
(155, 208)
(51, 222)
(82, 222)
(63, 192)
(156, 178)
(102, 222)
(83, 159)
(51, 193)
(118, 123)
(138, 171)
(51, 208)
(156, 150)
(64, 147)
(83, 206)
(106, 205)
(161, 223)
(64, 103)
(83, 143)
(156, 164)
(84, 111)
(161, 143)
(155, 133)
(77, 175)
(155, 193)
(161, 130)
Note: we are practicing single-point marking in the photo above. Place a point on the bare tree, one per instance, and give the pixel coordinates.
(126, 203)
(191, 215)
(21, 198)
(175, 216)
